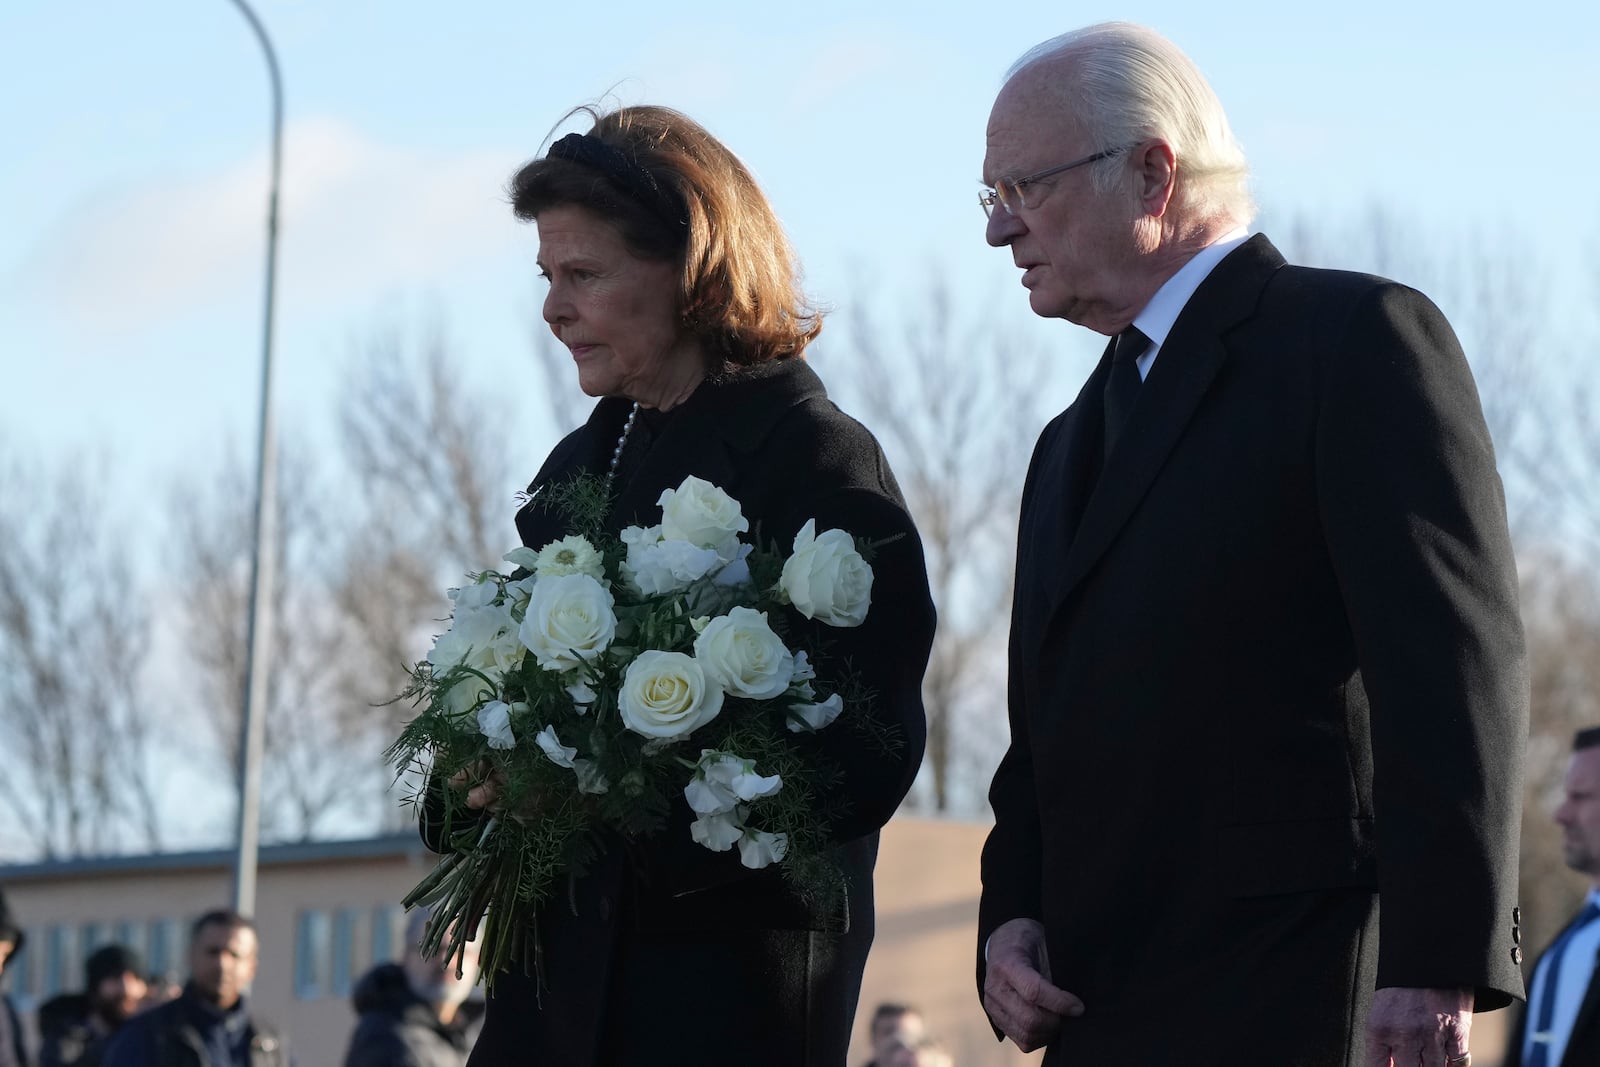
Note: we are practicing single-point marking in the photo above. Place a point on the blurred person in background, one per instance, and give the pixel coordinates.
(12, 1054)
(893, 1025)
(416, 1013)
(75, 1028)
(209, 1024)
(1561, 1026)
(925, 1051)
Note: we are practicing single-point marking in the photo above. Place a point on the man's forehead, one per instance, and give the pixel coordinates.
(1030, 118)
(1584, 770)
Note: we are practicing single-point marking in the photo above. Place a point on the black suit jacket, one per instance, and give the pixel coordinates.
(669, 954)
(1266, 664)
(1583, 1044)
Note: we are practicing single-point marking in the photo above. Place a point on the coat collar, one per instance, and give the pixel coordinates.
(1190, 359)
(726, 417)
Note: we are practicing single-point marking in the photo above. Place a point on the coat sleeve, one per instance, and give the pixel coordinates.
(1415, 522)
(1012, 855)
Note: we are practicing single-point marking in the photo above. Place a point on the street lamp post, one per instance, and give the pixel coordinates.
(263, 564)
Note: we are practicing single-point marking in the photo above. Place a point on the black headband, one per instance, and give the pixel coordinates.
(625, 171)
(1589, 738)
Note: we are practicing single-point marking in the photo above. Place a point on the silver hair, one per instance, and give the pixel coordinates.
(1128, 84)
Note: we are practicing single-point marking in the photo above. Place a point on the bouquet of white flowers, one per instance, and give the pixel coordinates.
(602, 677)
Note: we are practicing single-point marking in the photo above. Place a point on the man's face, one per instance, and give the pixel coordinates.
(1079, 249)
(1579, 813)
(118, 996)
(892, 1032)
(222, 962)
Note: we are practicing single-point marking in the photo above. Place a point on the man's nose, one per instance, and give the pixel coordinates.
(1003, 228)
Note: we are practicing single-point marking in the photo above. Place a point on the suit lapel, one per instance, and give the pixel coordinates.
(1184, 369)
(1075, 465)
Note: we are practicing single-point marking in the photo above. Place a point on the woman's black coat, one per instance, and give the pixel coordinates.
(668, 953)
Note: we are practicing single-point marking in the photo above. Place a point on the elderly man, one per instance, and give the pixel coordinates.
(1266, 664)
(1561, 1027)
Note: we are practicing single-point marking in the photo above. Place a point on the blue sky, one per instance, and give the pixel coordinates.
(131, 197)
(135, 137)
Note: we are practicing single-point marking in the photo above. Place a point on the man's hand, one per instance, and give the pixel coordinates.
(1418, 1026)
(1017, 992)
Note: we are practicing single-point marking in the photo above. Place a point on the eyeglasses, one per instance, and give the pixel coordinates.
(1007, 192)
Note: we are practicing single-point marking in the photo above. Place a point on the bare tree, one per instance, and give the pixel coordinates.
(74, 638)
(318, 747)
(958, 432)
(438, 464)
(1561, 610)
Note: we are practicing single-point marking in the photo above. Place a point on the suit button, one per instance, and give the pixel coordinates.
(1516, 956)
(1516, 935)
(1516, 916)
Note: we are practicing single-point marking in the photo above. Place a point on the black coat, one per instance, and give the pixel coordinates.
(68, 1034)
(1266, 669)
(170, 1035)
(671, 954)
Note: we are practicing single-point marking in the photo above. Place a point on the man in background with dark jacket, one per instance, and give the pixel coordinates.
(415, 1013)
(209, 1025)
(75, 1028)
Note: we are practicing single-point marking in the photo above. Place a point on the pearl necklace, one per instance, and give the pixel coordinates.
(622, 441)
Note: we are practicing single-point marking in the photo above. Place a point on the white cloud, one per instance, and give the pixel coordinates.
(357, 217)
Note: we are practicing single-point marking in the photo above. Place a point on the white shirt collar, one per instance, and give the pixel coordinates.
(1156, 319)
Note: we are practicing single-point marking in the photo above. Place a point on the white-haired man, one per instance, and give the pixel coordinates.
(1266, 660)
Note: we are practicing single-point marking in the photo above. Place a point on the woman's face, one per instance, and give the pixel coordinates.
(616, 313)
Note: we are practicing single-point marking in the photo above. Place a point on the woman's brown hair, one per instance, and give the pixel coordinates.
(676, 193)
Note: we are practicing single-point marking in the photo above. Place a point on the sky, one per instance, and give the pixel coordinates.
(132, 181)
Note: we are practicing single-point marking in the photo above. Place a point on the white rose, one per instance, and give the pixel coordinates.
(494, 722)
(722, 781)
(717, 832)
(811, 717)
(569, 620)
(826, 578)
(667, 694)
(742, 655)
(570, 555)
(703, 515)
(757, 848)
(466, 693)
(559, 754)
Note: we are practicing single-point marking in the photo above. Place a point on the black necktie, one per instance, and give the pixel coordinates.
(1122, 387)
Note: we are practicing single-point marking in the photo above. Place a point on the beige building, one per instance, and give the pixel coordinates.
(327, 910)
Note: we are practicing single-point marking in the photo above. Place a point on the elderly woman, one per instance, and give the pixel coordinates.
(674, 288)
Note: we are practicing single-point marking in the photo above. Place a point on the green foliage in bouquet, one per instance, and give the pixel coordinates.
(605, 676)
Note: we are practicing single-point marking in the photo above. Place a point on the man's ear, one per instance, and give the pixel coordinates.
(1156, 164)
